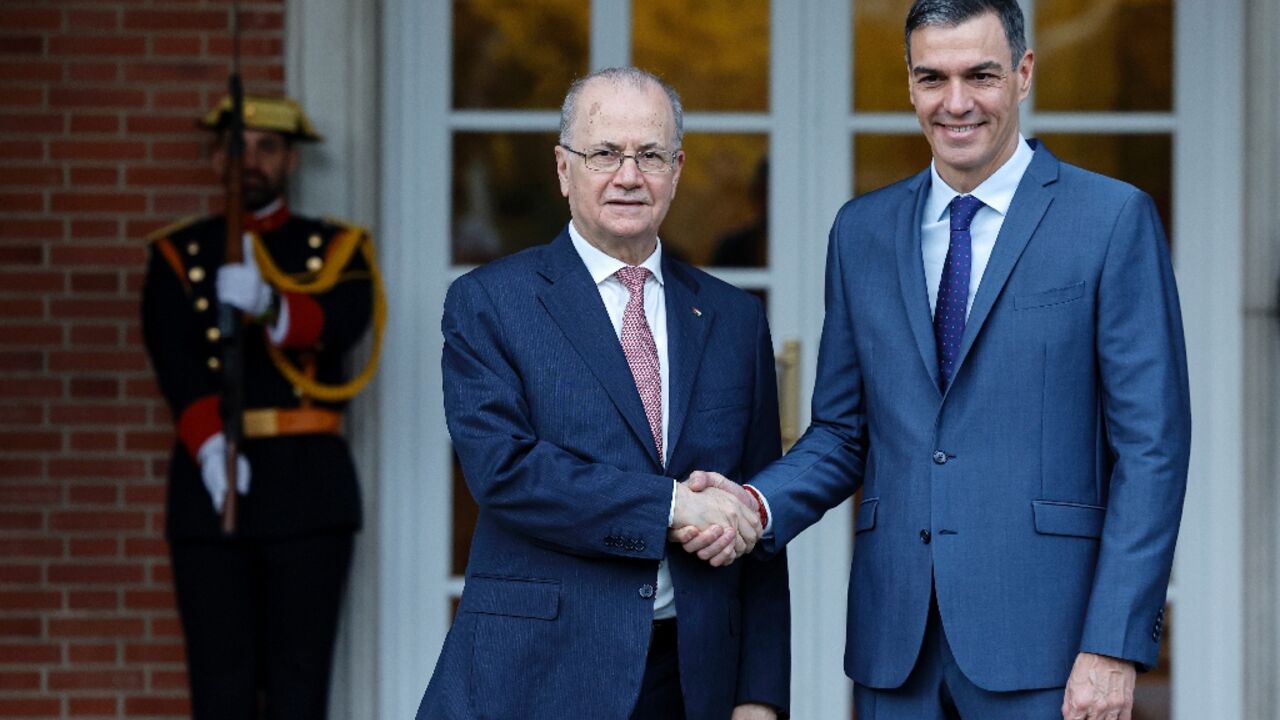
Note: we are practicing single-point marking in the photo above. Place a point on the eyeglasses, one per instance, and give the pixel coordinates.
(606, 160)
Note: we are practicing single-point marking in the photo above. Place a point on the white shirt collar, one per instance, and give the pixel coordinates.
(996, 192)
(602, 266)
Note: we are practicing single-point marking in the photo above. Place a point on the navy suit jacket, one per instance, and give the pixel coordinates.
(557, 611)
(1041, 493)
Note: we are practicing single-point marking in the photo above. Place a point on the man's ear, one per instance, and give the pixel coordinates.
(562, 170)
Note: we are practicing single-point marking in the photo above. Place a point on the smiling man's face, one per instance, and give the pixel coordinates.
(966, 89)
(619, 210)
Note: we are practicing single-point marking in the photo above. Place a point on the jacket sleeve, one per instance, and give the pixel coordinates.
(764, 668)
(1142, 364)
(334, 320)
(530, 486)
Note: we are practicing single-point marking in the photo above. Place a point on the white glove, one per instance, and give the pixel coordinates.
(213, 468)
(241, 284)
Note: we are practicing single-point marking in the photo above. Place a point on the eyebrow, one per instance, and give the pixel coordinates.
(618, 148)
(980, 67)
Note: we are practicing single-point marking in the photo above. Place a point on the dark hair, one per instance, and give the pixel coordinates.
(950, 13)
(637, 78)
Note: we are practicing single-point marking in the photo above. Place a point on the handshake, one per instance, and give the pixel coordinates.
(715, 518)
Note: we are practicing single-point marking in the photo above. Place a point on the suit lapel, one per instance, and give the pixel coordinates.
(911, 272)
(573, 302)
(686, 337)
(1030, 202)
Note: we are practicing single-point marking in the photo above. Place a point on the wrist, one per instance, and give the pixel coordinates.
(764, 514)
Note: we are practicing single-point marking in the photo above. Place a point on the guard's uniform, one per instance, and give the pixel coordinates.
(259, 609)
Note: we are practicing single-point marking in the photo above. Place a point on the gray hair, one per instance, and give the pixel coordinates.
(633, 76)
(950, 13)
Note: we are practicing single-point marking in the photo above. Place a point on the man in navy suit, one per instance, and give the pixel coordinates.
(576, 392)
(1003, 374)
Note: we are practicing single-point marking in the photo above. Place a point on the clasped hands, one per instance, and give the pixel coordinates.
(715, 518)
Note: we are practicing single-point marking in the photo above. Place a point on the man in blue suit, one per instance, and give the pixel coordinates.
(1003, 374)
(576, 391)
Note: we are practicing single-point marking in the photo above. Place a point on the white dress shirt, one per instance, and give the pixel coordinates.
(615, 296)
(996, 194)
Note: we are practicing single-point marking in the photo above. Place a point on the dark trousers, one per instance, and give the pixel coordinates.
(938, 690)
(660, 694)
(260, 618)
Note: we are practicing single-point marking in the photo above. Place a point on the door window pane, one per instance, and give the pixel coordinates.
(506, 196)
(714, 52)
(719, 214)
(517, 54)
(880, 160)
(1143, 160)
(1112, 55)
(879, 60)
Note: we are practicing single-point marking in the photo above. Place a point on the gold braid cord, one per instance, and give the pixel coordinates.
(345, 246)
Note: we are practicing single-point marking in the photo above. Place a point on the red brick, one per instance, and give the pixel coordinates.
(93, 72)
(95, 680)
(31, 176)
(179, 20)
(109, 600)
(93, 706)
(95, 468)
(29, 653)
(87, 230)
(178, 100)
(27, 495)
(12, 627)
(30, 124)
(95, 335)
(163, 45)
(97, 415)
(168, 177)
(97, 150)
(81, 360)
(27, 308)
(152, 494)
(22, 202)
(21, 96)
(157, 441)
(81, 177)
(181, 205)
(31, 18)
(21, 150)
(262, 74)
(19, 680)
(155, 124)
(82, 124)
(21, 414)
(181, 151)
(43, 229)
(96, 495)
(21, 255)
(117, 202)
(270, 47)
(95, 627)
(32, 441)
(11, 467)
(95, 282)
(167, 627)
(21, 361)
(93, 19)
(95, 547)
(70, 520)
(186, 72)
(118, 309)
(31, 388)
(149, 600)
(22, 45)
(141, 387)
(14, 547)
(94, 387)
(149, 653)
(168, 679)
(96, 574)
(157, 706)
(19, 574)
(145, 547)
(31, 71)
(30, 601)
(98, 45)
(39, 282)
(30, 707)
(261, 21)
(93, 442)
(65, 97)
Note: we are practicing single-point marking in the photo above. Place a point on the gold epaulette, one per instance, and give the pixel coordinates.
(174, 227)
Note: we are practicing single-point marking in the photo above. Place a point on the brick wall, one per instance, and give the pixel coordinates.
(97, 149)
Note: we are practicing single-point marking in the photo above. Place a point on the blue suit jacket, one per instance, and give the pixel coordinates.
(1042, 492)
(557, 611)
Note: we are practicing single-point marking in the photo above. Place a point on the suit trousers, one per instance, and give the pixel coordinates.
(260, 618)
(937, 689)
(660, 695)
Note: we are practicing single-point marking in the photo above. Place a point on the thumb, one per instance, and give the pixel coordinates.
(698, 481)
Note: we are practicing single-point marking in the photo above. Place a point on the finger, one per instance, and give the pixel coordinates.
(703, 539)
(714, 549)
(697, 481)
(682, 535)
(726, 557)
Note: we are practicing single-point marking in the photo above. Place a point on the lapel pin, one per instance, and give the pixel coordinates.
(697, 312)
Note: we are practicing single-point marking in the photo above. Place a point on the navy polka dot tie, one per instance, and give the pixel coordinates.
(953, 288)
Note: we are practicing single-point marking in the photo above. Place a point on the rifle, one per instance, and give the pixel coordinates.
(229, 318)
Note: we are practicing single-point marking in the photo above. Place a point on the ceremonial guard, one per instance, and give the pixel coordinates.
(259, 572)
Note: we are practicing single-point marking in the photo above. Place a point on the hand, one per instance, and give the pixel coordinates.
(754, 711)
(710, 539)
(241, 284)
(739, 526)
(212, 457)
(1099, 688)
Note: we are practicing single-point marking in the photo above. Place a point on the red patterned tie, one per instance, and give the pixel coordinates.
(641, 352)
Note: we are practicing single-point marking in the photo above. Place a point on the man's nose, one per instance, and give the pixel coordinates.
(629, 174)
(957, 100)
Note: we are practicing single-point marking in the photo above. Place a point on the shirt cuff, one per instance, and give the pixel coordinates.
(671, 514)
(278, 331)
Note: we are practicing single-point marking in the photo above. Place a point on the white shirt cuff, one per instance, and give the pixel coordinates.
(279, 330)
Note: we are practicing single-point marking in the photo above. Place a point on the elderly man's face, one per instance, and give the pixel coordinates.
(966, 91)
(623, 208)
(269, 160)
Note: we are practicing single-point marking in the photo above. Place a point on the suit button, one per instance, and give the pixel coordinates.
(940, 457)
(646, 591)
(639, 546)
(925, 537)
